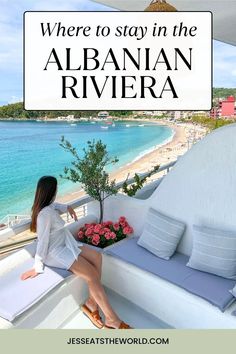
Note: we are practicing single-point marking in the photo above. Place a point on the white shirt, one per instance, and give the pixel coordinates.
(54, 239)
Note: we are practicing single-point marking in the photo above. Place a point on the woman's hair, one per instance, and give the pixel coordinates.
(44, 196)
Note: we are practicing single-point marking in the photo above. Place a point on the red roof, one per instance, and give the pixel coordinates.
(231, 99)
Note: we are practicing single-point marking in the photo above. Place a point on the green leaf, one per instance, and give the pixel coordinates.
(90, 170)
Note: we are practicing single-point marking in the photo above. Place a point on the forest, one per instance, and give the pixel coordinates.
(16, 110)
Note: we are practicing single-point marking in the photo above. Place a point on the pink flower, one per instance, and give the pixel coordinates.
(95, 240)
(127, 230)
(89, 225)
(109, 223)
(107, 235)
(131, 230)
(80, 234)
(112, 235)
(124, 224)
(97, 228)
(89, 231)
(116, 226)
(106, 229)
(122, 219)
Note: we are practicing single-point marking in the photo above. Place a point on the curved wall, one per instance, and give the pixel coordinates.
(201, 187)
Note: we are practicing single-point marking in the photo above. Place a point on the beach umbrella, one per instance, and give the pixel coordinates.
(160, 5)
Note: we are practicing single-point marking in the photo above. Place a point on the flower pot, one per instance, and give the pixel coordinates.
(105, 234)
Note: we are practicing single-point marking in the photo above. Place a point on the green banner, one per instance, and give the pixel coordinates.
(107, 341)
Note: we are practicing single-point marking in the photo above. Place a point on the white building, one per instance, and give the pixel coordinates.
(103, 114)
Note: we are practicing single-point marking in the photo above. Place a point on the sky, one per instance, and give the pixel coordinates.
(11, 48)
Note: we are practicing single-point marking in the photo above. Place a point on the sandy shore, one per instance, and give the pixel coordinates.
(184, 136)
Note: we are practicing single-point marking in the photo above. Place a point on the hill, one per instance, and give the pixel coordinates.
(221, 92)
(16, 110)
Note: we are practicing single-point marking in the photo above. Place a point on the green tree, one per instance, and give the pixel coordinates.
(139, 181)
(90, 170)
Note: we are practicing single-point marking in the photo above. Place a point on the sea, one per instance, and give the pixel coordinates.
(30, 149)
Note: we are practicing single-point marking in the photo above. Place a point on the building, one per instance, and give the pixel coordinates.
(225, 108)
(177, 115)
(159, 113)
(103, 114)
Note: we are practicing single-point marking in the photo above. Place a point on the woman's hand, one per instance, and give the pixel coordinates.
(29, 274)
(72, 213)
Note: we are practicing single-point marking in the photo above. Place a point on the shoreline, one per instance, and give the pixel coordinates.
(120, 173)
(183, 136)
(167, 151)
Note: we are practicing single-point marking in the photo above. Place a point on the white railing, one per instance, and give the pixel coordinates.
(79, 204)
(13, 219)
(83, 201)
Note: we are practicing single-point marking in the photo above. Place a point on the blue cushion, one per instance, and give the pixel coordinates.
(210, 287)
(214, 251)
(16, 296)
(161, 234)
(233, 292)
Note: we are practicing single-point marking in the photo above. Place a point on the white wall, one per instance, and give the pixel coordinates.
(201, 187)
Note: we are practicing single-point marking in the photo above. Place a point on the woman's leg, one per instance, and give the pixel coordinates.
(85, 270)
(94, 258)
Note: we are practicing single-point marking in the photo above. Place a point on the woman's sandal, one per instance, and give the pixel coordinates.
(122, 325)
(94, 316)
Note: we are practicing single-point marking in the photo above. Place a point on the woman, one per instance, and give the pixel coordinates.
(57, 247)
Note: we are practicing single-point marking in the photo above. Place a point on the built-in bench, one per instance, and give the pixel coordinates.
(128, 269)
(17, 296)
(214, 289)
(41, 302)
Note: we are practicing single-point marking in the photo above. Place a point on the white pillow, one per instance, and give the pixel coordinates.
(161, 234)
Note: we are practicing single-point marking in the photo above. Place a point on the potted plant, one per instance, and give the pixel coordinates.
(106, 233)
(89, 170)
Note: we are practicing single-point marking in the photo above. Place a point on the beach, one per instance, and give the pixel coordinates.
(30, 149)
(184, 135)
(140, 145)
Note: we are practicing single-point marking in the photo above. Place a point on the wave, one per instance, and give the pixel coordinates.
(152, 148)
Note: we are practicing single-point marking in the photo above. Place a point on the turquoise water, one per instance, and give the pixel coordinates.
(29, 150)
